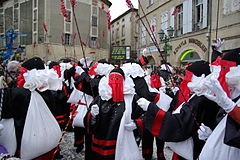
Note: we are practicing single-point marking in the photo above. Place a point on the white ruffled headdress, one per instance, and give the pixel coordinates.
(132, 69)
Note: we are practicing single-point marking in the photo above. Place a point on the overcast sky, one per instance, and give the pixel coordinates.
(119, 7)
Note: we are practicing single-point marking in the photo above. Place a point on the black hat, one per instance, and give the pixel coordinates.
(103, 61)
(131, 61)
(143, 60)
(200, 67)
(34, 63)
(118, 70)
(233, 56)
(53, 64)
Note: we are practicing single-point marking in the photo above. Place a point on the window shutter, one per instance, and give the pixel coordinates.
(172, 17)
(187, 16)
(185, 12)
(205, 12)
(189, 24)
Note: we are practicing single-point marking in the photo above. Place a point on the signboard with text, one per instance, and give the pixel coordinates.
(120, 52)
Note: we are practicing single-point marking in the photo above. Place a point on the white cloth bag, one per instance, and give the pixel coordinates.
(41, 131)
(78, 121)
(215, 148)
(182, 148)
(126, 147)
(8, 136)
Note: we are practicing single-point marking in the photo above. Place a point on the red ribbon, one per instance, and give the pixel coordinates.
(45, 27)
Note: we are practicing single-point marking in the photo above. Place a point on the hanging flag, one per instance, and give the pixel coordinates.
(153, 28)
(73, 2)
(103, 33)
(103, 6)
(129, 4)
(176, 10)
(75, 35)
(45, 27)
(84, 43)
(109, 19)
(63, 9)
(93, 52)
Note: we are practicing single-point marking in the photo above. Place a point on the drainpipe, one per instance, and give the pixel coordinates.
(210, 29)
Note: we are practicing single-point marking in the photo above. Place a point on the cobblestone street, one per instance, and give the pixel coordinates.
(69, 151)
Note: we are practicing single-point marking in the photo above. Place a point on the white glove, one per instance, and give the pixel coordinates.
(94, 110)
(143, 103)
(79, 70)
(130, 126)
(218, 45)
(204, 132)
(219, 95)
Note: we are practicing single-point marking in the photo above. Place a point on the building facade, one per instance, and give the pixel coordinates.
(124, 31)
(59, 38)
(195, 22)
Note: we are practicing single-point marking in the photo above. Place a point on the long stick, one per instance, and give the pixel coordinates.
(217, 19)
(79, 36)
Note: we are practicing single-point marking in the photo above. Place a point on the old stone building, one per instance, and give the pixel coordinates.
(61, 39)
(124, 31)
(196, 23)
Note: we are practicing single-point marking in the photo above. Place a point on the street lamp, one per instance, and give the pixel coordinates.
(165, 39)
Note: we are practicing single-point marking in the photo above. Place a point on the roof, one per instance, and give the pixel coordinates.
(1, 1)
(107, 2)
(125, 13)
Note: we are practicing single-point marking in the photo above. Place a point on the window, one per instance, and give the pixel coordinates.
(117, 43)
(1, 23)
(94, 21)
(34, 27)
(123, 42)
(180, 20)
(34, 15)
(153, 23)
(123, 30)
(35, 38)
(150, 2)
(35, 3)
(93, 42)
(16, 5)
(164, 21)
(198, 14)
(117, 33)
(15, 19)
(69, 14)
(123, 20)
(143, 35)
(112, 35)
(67, 39)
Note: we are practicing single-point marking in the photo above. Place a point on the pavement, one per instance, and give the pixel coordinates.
(69, 151)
